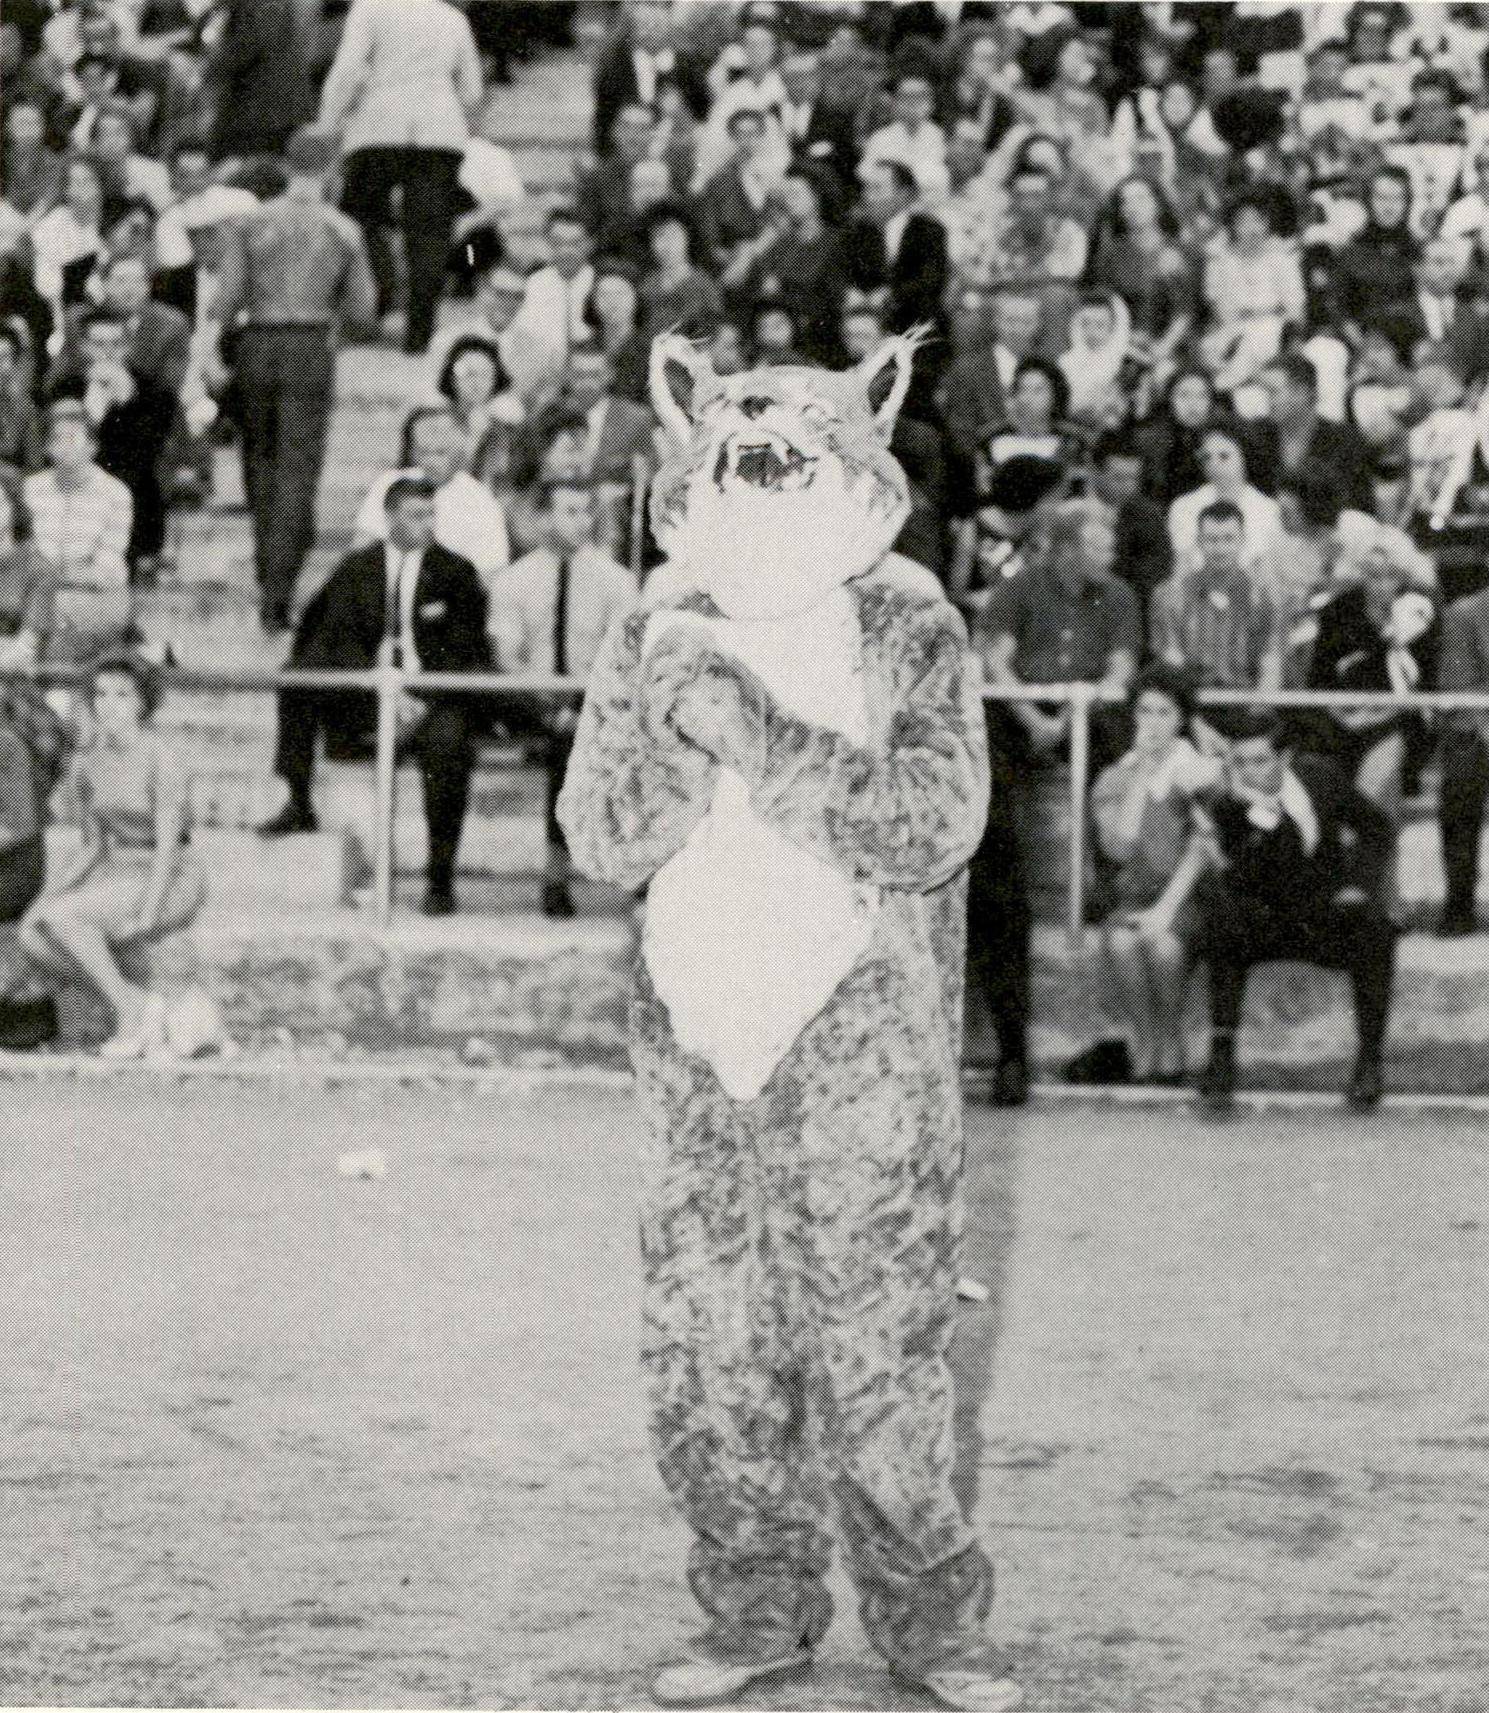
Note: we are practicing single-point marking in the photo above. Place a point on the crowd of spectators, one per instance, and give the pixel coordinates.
(1204, 289)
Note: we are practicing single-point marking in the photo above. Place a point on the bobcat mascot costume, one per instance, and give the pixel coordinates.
(784, 744)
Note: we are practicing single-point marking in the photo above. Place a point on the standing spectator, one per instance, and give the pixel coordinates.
(1304, 858)
(404, 87)
(896, 250)
(1065, 619)
(1465, 761)
(414, 603)
(81, 520)
(550, 614)
(468, 519)
(258, 79)
(134, 881)
(674, 293)
(294, 269)
(551, 318)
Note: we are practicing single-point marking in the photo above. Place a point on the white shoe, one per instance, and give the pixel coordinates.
(974, 1691)
(144, 1038)
(698, 1682)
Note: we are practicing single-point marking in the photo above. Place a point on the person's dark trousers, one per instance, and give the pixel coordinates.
(441, 744)
(286, 381)
(428, 180)
(1238, 933)
(555, 765)
(1000, 922)
(1465, 785)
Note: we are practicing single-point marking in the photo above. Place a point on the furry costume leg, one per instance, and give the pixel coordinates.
(800, 1253)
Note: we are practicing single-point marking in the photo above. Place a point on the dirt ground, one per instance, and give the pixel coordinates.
(275, 1437)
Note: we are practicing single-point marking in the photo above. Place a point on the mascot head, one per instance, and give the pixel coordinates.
(780, 486)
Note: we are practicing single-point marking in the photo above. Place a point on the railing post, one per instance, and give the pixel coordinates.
(385, 782)
(1080, 768)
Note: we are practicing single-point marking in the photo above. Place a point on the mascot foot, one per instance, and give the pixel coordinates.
(699, 1682)
(975, 1691)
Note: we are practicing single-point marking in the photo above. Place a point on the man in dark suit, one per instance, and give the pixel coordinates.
(1304, 438)
(410, 601)
(731, 208)
(895, 249)
(637, 63)
(159, 337)
(1305, 860)
(815, 131)
(617, 431)
(1145, 552)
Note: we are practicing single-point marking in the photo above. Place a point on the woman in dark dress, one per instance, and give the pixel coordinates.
(805, 264)
(1170, 440)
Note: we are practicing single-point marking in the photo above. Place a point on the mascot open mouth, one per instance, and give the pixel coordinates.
(766, 462)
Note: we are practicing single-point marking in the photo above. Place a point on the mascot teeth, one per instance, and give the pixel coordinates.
(769, 462)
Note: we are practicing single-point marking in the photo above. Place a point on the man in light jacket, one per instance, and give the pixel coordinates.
(403, 90)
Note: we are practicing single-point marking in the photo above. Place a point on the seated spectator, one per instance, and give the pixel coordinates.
(732, 203)
(1138, 256)
(468, 521)
(1095, 362)
(68, 238)
(1252, 289)
(614, 321)
(159, 337)
(551, 614)
(674, 293)
(1304, 437)
(34, 747)
(1213, 621)
(1036, 425)
(979, 87)
(641, 62)
(649, 186)
(1223, 457)
(1033, 245)
(1064, 619)
(1144, 553)
(977, 384)
(127, 176)
(135, 881)
(408, 600)
(500, 294)
(1377, 267)
(486, 410)
(913, 138)
(551, 316)
(997, 542)
(820, 135)
(20, 427)
(81, 520)
(726, 350)
(1143, 816)
(133, 81)
(1172, 436)
(893, 249)
(603, 194)
(1379, 397)
(617, 433)
(745, 79)
(32, 171)
(773, 334)
(1442, 447)
(803, 261)
(132, 422)
(28, 588)
(1303, 857)
(1382, 635)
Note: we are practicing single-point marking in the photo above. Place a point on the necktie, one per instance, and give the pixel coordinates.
(391, 626)
(561, 619)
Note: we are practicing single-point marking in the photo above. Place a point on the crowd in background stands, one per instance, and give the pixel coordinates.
(1205, 288)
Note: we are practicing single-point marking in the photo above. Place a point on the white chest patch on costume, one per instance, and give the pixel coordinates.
(748, 936)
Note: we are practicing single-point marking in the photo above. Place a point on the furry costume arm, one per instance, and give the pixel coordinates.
(908, 816)
(630, 801)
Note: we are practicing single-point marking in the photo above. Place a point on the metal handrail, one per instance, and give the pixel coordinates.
(390, 683)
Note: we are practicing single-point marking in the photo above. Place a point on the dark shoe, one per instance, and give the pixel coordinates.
(699, 1682)
(1217, 1084)
(1365, 1085)
(1105, 1062)
(274, 617)
(1456, 926)
(27, 1023)
(439, 901)
(290, 819)
(1011, 1083)
(557, 899)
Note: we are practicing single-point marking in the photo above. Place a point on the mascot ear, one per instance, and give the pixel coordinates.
(897, 354)
(672, 350)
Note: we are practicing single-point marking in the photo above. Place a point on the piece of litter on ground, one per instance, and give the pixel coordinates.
(363, 1163)
(969, 1291)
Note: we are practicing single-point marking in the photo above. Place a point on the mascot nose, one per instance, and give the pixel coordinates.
(753, 407)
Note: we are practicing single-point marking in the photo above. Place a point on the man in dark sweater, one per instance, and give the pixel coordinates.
(1304, 860)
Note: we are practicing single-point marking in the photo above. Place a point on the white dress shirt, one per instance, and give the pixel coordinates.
(468, 520)
(650, 69)
(894, 233)
(522, 617)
